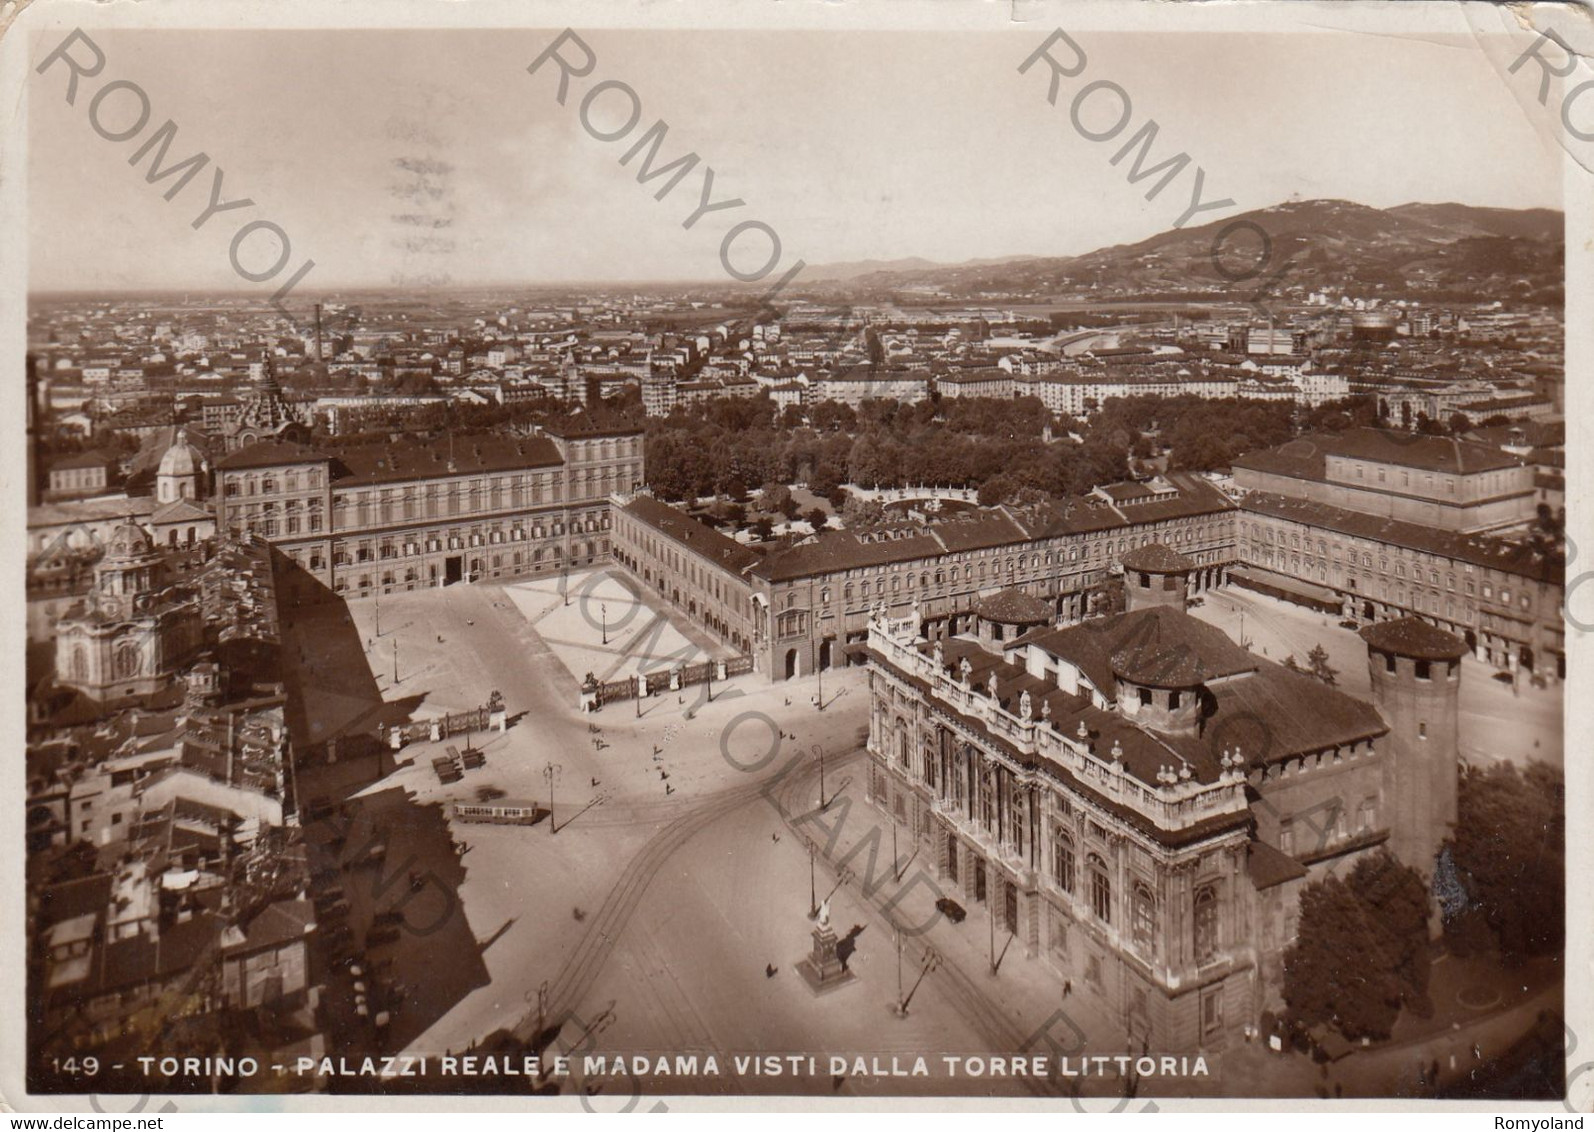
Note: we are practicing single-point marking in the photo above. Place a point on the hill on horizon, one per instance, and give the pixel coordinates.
(1443, 248)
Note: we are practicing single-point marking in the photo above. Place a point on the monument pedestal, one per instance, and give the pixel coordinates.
(821, 969)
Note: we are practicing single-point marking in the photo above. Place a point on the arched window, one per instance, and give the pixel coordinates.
(902, 744)
(928, 758)
(128, 660)
(1145, 918)
(1063, 860)
(1206, 922)
(1100, 888)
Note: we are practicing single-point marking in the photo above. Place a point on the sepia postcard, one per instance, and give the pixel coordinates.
(810, 556)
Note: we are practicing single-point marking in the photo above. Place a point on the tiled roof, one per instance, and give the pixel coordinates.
(269, 454)
(1157, 559)
(1159, 645)
(1414, 637)
(1305, 457)
(581, 428)
(834, 551)
(1267, 866)
(437, 459)
(1015, 607)
(279, 923)
(83, 460)
(700, 537)
(73, 898)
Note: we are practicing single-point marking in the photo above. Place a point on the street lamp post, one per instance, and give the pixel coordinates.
(395, 660)
(819, 670)
(564, 584)
(991, 919)
(901, 1009)
(378, 598)
(542, 1009)
(843, 876)
(813, 892)
(929, 962)
(820, 747)
(551, 773)
(603, 613)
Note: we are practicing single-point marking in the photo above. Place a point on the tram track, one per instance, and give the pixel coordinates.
(581, 969)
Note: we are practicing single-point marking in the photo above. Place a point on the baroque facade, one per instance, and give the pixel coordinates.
(1139, 800)
(129, 634)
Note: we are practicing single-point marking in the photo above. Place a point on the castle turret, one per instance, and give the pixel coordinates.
(1155, 575)
(1416, 676)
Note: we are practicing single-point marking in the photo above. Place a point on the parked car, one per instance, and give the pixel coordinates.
(951, 909)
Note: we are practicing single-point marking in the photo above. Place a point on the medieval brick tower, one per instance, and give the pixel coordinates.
(1156, 575)
(1416, 674)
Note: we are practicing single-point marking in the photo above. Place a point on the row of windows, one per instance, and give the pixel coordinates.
(412, 575)
(1405, 478)
(270, 483)
(1263, 538)
(945, 575)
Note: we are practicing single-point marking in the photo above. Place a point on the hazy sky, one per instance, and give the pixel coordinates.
(850, 146)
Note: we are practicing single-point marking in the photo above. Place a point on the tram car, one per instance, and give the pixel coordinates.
(500, 811)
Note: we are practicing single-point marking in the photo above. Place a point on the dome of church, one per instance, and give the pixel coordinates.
(182, 458)
(129, 540)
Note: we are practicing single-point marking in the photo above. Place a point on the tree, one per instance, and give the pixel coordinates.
(1340, 971)
(1547, 535)
(1317, 665)
(773, 497)
(763, 529)
(1508, 856)
(817, 518)
(862, 515)
(1291, 663)
(1397, 900)
(997, 489)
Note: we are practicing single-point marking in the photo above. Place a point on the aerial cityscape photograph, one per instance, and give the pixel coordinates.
(642, 563)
